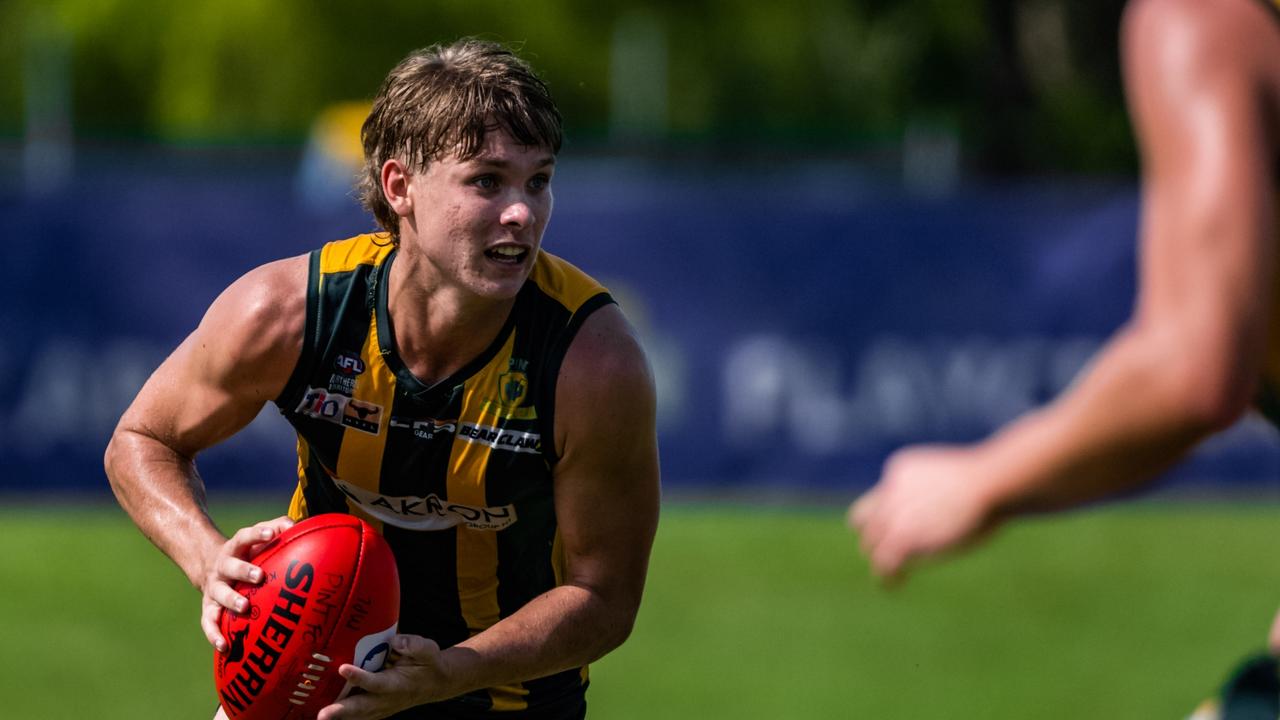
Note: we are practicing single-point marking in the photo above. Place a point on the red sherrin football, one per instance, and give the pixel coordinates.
(331, 596)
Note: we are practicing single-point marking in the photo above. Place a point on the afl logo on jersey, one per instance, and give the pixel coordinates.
(349, 364)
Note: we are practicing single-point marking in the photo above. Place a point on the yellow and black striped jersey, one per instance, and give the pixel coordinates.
(457, 475)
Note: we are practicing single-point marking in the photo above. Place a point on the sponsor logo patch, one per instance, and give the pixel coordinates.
(322, 405)
(427, 513)
(501, 438)
(426, 429)
(345, 384)
(341, 410)
(362, 416)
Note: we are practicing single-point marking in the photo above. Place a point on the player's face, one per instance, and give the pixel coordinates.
(479, 222)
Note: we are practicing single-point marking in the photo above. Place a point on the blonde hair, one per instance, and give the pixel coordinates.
(441, 101)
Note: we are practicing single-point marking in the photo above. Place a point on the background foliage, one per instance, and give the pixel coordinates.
(1028, 86)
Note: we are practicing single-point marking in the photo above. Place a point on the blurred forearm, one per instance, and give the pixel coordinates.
(1142, 405)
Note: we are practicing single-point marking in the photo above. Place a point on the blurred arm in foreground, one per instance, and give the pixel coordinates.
(1203, 87)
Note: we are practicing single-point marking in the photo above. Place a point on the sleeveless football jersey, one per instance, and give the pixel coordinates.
(457, 476)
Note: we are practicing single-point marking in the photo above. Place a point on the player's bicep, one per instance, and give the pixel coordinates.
(1206, 246)
(236, 360)
(606, 482)
(186, 409)
(1206, 252)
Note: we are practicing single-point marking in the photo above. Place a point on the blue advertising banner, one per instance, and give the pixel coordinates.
(802, 321)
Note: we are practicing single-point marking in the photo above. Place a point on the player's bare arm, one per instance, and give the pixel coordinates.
(606, 498)
(210, 387)
(1187, 362)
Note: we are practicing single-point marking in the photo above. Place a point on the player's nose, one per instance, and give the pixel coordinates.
(518, 215)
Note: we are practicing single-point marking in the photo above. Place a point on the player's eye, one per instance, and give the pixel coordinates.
(541, 181)
(485, 182)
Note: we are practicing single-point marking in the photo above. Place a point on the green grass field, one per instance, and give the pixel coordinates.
(1132, 611)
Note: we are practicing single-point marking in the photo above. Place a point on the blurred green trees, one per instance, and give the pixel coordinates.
(1020, 86)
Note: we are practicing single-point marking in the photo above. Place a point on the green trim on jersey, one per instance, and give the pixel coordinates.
(457, 475)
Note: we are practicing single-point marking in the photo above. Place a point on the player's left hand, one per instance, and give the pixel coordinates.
(414, 675)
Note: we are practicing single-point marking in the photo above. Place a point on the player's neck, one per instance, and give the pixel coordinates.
(438, 328)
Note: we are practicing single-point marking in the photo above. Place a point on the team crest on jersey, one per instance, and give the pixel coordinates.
(339, 409)
(513, 388)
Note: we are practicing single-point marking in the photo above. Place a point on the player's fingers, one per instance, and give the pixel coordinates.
(246, 538)
(226, 596)
(861, 509)
(413, 649)
(282, 523)
(209, 624)
(888, 558)
(352, 707)
(367, 681)
(888, 552)
(874, 516)
(867, 541)
(233, 568)
(276, 525)
(357, 707)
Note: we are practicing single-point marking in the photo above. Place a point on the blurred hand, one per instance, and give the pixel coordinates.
(928, 501)
(1273, 642)
(414, 675)
(229, 565)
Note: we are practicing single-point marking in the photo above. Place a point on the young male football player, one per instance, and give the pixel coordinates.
(483, 403)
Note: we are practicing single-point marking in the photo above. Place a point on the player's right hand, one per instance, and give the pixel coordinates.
(230, 565)
(415, 674)
(928, 501)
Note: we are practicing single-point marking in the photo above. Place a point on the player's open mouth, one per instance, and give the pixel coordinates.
(507, 254)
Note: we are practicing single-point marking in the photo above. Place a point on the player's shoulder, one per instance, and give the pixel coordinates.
(606, 359)
(265, 308)
(606, 391)
(272, 289)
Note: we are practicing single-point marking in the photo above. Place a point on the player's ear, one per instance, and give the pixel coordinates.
(395, 187)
